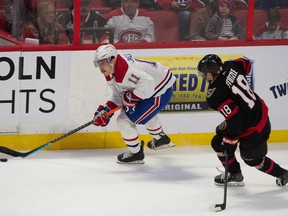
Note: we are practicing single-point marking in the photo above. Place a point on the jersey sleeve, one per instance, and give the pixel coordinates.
(233, 117)
(133, 78)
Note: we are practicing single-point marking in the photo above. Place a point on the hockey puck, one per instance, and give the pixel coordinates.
(3, 159)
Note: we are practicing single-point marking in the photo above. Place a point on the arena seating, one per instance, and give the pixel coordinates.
(260, 17)
(166, 25)
(2, 7)
(59, 4)
(98, 3)
(284, 16)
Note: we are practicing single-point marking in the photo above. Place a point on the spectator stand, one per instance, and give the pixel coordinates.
(100, 6)
(166, 25)
(260, 17)
(2, 7)
(284, 15)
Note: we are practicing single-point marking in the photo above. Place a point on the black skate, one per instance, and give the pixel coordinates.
(233, 179)
(282, 179)
(132, 158)
(163, 142)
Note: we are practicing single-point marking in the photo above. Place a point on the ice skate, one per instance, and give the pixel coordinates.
(132, 158)
(233, 179)
(162, 143)
(282, 179)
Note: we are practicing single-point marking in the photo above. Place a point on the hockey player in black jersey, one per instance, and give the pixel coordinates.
(246, 119)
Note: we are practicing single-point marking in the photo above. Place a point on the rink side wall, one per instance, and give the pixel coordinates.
(44, 94)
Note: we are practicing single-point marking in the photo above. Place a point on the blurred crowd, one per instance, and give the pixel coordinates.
(132, 21)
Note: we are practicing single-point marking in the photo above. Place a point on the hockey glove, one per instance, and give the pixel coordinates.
(99, 118)
(130, 101)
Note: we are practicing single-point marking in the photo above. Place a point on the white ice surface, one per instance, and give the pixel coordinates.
(176, 181)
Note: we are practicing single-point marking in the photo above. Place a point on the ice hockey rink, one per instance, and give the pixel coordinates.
(176, 181)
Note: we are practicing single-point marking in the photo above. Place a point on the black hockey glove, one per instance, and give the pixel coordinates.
(229, 145)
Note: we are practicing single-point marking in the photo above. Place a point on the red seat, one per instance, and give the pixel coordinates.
(58, 3)
(284, 16)
(2, 23)
(166, 25)
(102, 10)
(98, 3)
(260, 17)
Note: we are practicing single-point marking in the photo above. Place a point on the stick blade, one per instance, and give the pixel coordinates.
(11, 152)
(217, 207)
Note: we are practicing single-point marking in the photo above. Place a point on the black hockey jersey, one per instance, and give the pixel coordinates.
(230, 94)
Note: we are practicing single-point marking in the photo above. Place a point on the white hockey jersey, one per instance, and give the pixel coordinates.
(146, 79)
(140, 28)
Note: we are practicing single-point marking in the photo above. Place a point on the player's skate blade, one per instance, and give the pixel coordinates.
(132, 162)
(169, 145)
(232, 184)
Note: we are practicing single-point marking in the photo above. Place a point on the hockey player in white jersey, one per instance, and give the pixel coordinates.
(130, 23)
(143, 88)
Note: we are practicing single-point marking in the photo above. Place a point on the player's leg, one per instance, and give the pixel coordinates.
(235, 177)
(160, 139)
(146, 114)
(130, 136)
(253, 151)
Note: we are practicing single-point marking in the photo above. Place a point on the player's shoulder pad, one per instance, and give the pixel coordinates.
(244, 64)
(121, 68)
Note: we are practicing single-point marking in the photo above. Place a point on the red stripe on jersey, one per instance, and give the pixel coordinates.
(259, 127)
(246, 65)
(135, 97)
(155, 106)
(121, 68)
(224, 103)
(222, 110)
(271, 167)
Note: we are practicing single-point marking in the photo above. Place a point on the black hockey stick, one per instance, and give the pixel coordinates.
(220, 207)
(14, 153)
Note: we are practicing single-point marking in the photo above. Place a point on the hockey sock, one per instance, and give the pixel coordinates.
(233, 165)
(156, 134)
(270, 167)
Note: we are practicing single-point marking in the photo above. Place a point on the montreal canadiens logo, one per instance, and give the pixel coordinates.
(130, 36)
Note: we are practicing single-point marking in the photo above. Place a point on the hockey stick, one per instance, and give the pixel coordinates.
(220, 207)
(14, 153)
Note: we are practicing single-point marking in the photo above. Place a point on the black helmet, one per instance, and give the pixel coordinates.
(209, 64)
